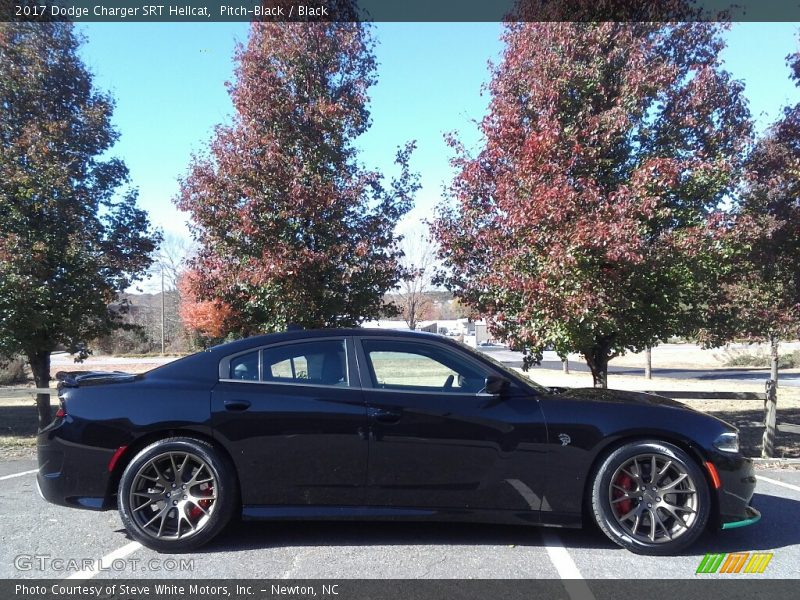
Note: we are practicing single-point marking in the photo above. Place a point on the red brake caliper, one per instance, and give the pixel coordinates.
(626, 483)
(194, 511)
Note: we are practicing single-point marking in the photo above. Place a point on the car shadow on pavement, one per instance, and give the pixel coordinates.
(778, 528)
(249, 535)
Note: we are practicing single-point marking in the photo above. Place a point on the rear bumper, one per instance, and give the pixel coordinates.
(738, 482)
(71, 474)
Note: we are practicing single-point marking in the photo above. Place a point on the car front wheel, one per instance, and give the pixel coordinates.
(651, 497)
(177, 494)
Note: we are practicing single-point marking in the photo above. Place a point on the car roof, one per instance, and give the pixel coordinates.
(300, 334)
(204, 365)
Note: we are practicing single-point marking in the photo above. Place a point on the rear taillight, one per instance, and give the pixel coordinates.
(62, 409)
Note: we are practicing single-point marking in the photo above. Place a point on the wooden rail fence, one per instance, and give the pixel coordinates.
(25, 392)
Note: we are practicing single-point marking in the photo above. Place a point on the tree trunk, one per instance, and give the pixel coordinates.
(411, 316)
(40, 366)
(770, 414)
(773, 351)
(597, 360)
(648, 365)
(565, 365)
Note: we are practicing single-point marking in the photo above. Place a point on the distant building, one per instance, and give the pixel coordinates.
(470, 332)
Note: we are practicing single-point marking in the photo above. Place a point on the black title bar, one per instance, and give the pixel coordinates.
(399, 10)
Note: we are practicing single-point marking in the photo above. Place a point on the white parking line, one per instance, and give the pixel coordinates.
(796, 488)
(4, 477)
(575, 586)
(106, 561)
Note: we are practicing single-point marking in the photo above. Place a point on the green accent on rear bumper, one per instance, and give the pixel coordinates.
(745, 522)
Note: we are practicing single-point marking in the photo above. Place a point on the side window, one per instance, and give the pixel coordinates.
(291, 368)
(245, 367)
(423, 367)
(322, 362)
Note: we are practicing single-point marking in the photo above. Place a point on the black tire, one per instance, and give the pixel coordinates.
(174, 506)
(644, 520)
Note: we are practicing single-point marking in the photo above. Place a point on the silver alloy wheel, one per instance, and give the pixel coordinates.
(173, 495)
(653, 498)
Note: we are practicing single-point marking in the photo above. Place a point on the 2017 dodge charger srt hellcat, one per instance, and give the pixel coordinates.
(370, 424)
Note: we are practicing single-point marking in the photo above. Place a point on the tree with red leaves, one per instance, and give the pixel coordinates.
(290, 228)
(586, 221)
(209, 320)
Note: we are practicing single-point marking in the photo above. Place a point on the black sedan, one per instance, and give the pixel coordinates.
(369, 424)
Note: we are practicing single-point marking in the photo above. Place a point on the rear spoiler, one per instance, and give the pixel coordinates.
(72, 379)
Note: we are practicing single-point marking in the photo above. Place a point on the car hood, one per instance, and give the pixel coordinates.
(621, 397)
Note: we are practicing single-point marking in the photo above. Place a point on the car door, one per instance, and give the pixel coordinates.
(293, 418)
(437, 440)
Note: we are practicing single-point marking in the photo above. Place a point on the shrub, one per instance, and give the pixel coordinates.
(744, 358)
(12, 372)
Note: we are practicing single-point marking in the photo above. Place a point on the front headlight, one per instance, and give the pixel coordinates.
(727, 442)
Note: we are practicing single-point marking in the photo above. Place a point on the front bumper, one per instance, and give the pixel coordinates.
(738, 482)
(754, 518)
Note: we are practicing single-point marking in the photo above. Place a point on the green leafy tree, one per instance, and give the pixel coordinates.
(586, 221)
(291, 229)
(760, 298)
(68, 243)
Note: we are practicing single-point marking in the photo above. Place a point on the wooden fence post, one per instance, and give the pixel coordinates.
(770, 407)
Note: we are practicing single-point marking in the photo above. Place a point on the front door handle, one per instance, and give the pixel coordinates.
(386, 416)
(236, 405)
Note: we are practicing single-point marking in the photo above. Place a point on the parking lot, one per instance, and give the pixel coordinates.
(40, 540)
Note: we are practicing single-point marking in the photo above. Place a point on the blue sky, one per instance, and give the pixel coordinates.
(168, 82)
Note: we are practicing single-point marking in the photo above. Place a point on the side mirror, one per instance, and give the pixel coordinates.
(496, 385)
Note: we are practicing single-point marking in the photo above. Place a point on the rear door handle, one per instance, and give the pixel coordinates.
(386, 416)
(236, 405)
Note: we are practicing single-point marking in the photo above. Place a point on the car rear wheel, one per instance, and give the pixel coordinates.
(651, 497)
(177, 494)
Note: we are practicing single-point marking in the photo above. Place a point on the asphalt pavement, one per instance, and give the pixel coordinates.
(41, 540)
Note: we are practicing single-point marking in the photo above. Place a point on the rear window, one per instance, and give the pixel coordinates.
(245, 367)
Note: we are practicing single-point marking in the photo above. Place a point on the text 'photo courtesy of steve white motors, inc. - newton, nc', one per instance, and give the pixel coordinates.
(145, 12)
(171, 590)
